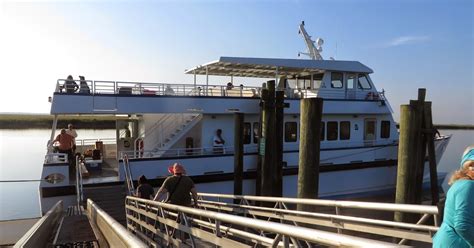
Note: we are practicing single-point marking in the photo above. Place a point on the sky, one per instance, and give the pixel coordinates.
(409, 44)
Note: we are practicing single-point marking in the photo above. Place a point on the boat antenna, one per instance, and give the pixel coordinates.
(312, 51)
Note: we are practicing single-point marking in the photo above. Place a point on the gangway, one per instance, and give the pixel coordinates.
(220, 222)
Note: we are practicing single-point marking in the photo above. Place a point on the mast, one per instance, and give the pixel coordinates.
(313, 51)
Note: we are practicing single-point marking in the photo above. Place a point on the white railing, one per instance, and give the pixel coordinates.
(149, 132)
(128, 176)
(139, 88)
(344, 215)
(52, 158)
(79, 183)
(183, 152)
(161, 223)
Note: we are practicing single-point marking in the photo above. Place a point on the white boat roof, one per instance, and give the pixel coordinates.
(266, 67)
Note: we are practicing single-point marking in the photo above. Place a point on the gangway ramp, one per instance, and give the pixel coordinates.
(222, 223)
(77, 227)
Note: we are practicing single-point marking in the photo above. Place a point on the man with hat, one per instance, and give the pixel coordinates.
(178, 186)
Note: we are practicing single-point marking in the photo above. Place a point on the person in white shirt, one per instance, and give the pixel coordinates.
(218, 142)
(71, 131)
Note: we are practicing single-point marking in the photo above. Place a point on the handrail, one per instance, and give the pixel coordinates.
(128, 175)
(282, 231)
(148, 130)
(40, 233)
(79, 183)
(408, 208)
(115, 234)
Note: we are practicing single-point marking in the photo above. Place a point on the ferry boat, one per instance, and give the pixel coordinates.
(162, 123)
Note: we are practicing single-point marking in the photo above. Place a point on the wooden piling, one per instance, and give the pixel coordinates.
(430, 136)
(268, 139)
(420, 145)
(238, 152)
(310, 133)
(279, 116)
(406, 175)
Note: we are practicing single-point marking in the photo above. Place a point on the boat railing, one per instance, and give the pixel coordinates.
(79, 183)
(337, 214)
(372, 146)
(53, 158)
(163, 89)
(149, 131)
(183, 152)
(158, 222)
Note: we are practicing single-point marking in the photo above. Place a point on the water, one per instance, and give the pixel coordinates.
(21, 157)
(22, 153)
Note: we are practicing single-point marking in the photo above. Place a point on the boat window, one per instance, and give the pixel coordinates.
(345, 133)
(351, 81)
(363, 82)
(385, 130)
(291, 131)
(317, 79)
(336, 80)
(332, 130)
(247, 131)
(369, 129)
(322, 131)
(256, 127)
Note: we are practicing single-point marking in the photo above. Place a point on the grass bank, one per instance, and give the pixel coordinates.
(44, 121)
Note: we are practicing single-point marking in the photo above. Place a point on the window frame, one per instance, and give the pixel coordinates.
(341, 80)
(287, 137)
(382, 129)
(328, 131)
(341, 137)
(247, 137)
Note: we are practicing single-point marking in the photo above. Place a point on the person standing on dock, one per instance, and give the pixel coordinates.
(457, 229)
(178, 186)
(144, 189)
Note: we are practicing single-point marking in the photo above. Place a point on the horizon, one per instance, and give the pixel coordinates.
(408, 44)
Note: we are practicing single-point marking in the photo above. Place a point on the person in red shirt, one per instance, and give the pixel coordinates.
(66, 143)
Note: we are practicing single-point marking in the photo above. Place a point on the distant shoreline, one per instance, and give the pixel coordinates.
(44, 121)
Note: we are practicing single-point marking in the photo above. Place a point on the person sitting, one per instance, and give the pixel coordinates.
(84, 88)
(144, 189)
(70, 85)
(229, 86)
(218, 142)
(457, 229)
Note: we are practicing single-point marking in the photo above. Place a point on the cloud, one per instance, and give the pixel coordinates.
(406, 40)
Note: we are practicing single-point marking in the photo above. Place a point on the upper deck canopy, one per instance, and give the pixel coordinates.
(267, 67)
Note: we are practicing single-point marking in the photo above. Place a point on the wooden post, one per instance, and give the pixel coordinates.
(406, 159)
(431, 154)
(238, 153)
(279, 116)
(268, 137)
(420, 145)
(310, 133)
(261, 144)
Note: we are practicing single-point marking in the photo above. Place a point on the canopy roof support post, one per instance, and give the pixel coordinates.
(194, 79)
(276, 77)
(207, 81)
(232, 80)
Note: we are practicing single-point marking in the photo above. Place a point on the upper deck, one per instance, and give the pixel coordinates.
(331, 80)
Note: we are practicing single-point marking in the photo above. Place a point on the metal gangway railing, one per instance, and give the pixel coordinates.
(367, 218)
(226, 224)
(128, 175)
